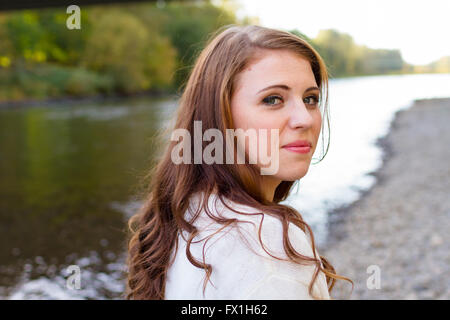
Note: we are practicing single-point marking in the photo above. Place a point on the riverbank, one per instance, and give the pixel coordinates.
(399, 228)
(73, 100)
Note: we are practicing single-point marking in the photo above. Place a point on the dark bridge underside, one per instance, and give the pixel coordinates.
(36, 4)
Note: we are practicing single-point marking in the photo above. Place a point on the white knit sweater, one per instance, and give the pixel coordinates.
(241, 269)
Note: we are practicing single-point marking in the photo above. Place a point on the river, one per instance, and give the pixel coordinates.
(69, 175)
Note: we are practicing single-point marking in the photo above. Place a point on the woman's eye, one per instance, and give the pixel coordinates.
(270, 99)
(314, 101)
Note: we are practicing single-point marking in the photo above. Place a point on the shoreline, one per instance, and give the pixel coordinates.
(71, 100)
(338, 216)
(154, 93)
(390, 226)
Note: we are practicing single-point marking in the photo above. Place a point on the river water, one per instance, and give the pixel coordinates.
(69, 175)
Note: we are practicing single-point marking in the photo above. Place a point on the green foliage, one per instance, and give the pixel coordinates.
(121, 47)
(28, 33)
(64, 46)
(189, 28)
(6, 46)
(83, 82)
(338, 50)
(441, 66)
(345, 58)
(42, 36)
(131, 48)
(27, 81)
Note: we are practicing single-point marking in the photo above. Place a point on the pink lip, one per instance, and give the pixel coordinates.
(299, 146)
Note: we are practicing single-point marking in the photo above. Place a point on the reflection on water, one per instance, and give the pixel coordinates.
(68, 179)
(99, 279)
(68, 175)
(92, 113)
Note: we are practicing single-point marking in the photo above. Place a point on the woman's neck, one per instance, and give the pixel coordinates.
(269, 185)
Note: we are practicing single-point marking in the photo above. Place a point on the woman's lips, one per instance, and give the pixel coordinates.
(299, 146)
(298, 149)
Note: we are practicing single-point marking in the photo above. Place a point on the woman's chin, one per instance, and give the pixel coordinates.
(292, 174)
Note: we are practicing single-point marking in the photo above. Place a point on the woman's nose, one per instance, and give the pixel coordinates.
(300, 116)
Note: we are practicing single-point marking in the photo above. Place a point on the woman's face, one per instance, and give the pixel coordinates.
(278, 91)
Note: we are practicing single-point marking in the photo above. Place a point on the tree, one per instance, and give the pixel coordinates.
(189, 27)
(137, 58)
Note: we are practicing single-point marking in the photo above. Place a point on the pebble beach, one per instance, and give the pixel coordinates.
(393, 243)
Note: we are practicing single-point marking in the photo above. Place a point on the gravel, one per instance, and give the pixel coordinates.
(399, 229)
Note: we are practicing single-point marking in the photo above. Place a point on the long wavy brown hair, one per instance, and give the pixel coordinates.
(206, 97)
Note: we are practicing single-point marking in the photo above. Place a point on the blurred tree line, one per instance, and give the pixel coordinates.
(346, 58)
(141, 47)
(120, 49)
(441, 65)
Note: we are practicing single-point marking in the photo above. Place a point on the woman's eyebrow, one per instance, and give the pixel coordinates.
(285, 87)
(312, 88)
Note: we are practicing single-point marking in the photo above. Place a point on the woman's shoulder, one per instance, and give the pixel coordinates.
(251, 225)
(246, 252)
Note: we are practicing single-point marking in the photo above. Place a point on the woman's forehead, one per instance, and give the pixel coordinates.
(276, 68)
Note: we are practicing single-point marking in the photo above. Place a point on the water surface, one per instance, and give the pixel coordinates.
(69, 175)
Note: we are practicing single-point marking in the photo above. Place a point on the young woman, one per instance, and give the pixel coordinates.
(212, 228)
